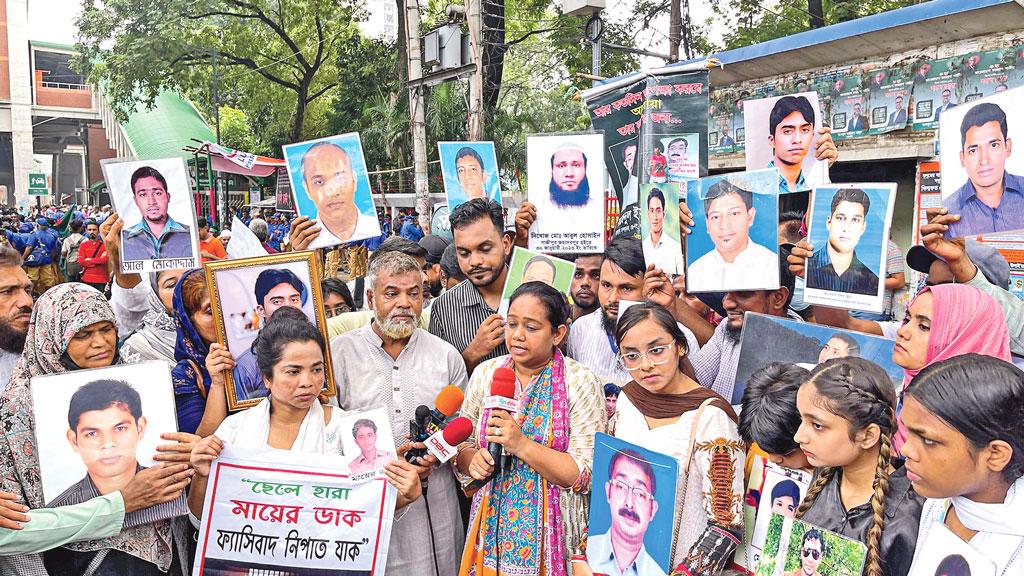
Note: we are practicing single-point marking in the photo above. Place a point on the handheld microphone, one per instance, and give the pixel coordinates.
(431, 421)
(442, 445)
(503, 384)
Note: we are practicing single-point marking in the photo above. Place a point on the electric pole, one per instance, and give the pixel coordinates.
(674, 30)
(417, 119)
(475, 124)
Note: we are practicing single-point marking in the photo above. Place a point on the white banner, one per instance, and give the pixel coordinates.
(243, 243)
(277, 508)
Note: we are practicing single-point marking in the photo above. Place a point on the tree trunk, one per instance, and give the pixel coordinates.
(300, 113)
(674, 31)
(816, 12)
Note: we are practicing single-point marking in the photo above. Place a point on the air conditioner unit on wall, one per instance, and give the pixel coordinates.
(581, 7)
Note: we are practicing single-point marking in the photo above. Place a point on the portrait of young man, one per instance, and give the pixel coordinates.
(659, 248)
(469, 170)
(992, 198)
(540, 268)
(370, 457)
(157, 235)
(105, 425)
(274, 289)
(812, 552)
(329, 175)
(835, 266)
(791, 134)
(736, 262)
(630, 491)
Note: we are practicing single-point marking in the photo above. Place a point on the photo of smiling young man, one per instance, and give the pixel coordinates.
(330, 184)
(982, 179)
(565, 181)
(782, 132)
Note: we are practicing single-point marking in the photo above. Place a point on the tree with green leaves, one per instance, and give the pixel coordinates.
(276, 57)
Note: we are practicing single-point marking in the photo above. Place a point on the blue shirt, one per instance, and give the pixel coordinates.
(857, 279)
(801, 183)
(976, 217)
(46, 243)
(411, 232)
(139, 243)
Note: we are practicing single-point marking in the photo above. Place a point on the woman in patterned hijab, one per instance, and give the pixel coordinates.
(72, 328)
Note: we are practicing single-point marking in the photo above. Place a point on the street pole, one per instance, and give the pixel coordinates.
(474, 19)
(222, 195)
(595, 60)
(417, 118)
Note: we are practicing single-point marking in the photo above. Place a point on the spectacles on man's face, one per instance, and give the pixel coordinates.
(812, 552)
(657, 356)
(622, 489)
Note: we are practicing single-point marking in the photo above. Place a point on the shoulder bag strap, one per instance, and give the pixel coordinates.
(686, 477)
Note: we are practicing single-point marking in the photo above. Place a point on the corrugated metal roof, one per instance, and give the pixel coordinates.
(53, 45)
(166, 129)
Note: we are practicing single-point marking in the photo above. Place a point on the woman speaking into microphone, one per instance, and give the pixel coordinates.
(529, 515)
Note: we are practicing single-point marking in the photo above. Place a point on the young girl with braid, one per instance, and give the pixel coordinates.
(847, 418)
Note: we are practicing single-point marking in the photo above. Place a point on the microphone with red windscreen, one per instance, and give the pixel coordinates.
(502, 397)
(444, 443)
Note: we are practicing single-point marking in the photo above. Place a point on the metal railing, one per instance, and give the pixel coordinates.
(65, 86)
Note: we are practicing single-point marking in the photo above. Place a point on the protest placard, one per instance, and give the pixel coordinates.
(368, 442)
(849, 229)
(330, 185)
(659, 226)
(531, 266)
(796, 547)
(244, 294)
(940, 552)
(95, 429)
(767, 339)
(154, 199)
(634, 493)
(935, 85)
(981, 179)
(781, 132)
(889, 98)
(734, 242)
(243, 244)
(771, 490)
(268, 510)
(565, 182)
(469, 170)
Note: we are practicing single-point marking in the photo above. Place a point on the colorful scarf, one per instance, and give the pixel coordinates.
(964, 320)
(189, 376)
(530, 531)
(59, 314)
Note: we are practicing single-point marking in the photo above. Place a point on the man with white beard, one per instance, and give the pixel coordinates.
(394, 363)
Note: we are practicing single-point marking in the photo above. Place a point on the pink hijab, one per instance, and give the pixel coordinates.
(964, 320)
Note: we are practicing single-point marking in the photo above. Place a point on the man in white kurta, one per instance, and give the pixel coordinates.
(394, 363)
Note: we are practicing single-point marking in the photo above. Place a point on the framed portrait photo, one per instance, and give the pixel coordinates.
(244, 294)
(96, 429)
(154, 199)
(469, 170)
(330, 184)
(849, 229)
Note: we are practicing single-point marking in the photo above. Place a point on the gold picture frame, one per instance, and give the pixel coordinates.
(241, 274)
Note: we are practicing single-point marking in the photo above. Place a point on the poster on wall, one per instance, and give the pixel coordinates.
(889, 98)
(935, 91)
(847, 107)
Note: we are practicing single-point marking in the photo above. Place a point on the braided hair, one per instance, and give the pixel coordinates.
(862, 393)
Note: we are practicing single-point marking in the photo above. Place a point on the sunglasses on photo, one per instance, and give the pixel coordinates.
(816, 554)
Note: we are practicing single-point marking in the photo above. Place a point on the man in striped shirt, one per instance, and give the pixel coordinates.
(467, 315)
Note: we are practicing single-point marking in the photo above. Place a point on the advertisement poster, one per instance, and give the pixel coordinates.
(721, 138)
(935, 91)
(847, 107)
(889, 98)
(986, 73)
(849, 229)
(276, 509)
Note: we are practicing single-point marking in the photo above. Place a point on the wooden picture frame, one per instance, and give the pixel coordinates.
(239, 322)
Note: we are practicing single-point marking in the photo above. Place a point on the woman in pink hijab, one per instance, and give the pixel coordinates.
(944, 321)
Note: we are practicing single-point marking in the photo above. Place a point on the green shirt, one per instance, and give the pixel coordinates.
(48, 528)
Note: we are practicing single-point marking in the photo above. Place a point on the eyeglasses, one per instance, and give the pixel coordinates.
(812, 552)
(656, 356)
(623, 489)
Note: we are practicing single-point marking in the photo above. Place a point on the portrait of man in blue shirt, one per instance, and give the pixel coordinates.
(790, 134)
(157, 235)
(835, 265)
(992, 199)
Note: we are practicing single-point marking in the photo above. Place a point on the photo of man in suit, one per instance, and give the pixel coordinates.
(947, 103)
(857, 121)
(898, 117)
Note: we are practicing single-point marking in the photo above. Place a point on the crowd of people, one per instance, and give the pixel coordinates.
(945, 447)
